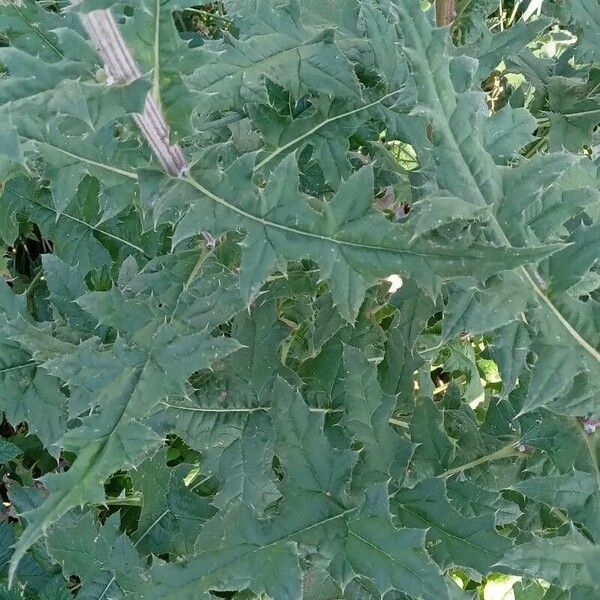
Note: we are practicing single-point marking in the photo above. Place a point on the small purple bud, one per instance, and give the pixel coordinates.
(211, 242)
(524, 449)
(590, 425)
(401, 211)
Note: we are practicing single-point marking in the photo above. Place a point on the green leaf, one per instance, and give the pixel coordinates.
(384, 452)
(76, 232)
(340, 238)
(245, 467)
(577, 493)
(212, 418)
(291, 56)
(71, 159)
(168, 507)
(28, 26)
(8, 451)
(316, 128)
(27, 393)
(490, 49)
(239, 562)
(400, 361)
(586, 18)
(301, 447)
(399, 555)
(475, 309)
(472, 500)
(467, 171)
(435, 450)
(218, 356)
(455, 540)
(156, 364)
(507, 131)
(96, 553)
(567, 561)
(433, 212)
(317, 467)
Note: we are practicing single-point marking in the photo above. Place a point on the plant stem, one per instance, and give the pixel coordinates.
(505, 452)
(399, 423)
(120, 64)
(127, 501)
(445, 11)
(32, 283)
(590, 442)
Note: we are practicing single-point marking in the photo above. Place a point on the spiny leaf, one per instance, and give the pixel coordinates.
(289, 55)
(456, 540)
(218, 357)
(352, 244)
(368, 411)
(96, 553)
(566, 561)
(136, 378)
(170, 520)
(468, 170)
(245, 467)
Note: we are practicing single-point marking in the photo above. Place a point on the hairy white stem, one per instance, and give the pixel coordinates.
(121, 67)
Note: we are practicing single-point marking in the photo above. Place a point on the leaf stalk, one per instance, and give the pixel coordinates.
(122, 68)
(505, 452)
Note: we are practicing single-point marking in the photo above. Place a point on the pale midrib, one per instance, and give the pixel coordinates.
(393, 559)
(320, 125)
(108, 585)
(32, 533)
(18, 367)
(524, 273)
(583, 113)
(64, 495)
(455, 537)
(572, 331)
(496, 225)
(254, 409)
(300, 232)
(262, 64)
(87, 225)
(289, 536)
(89, 161)
(156, 74)
(242, 410)
(37, 30)
(99, 457)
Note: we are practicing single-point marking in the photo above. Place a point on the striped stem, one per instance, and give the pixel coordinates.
(122, 68)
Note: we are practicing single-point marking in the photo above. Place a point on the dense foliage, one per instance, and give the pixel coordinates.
(208, 387)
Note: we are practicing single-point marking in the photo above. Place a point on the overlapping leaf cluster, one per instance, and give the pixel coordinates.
(209, 390)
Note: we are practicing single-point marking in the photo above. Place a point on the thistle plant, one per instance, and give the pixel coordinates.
(209, 388)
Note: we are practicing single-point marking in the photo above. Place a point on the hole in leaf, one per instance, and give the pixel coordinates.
(278, 468)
